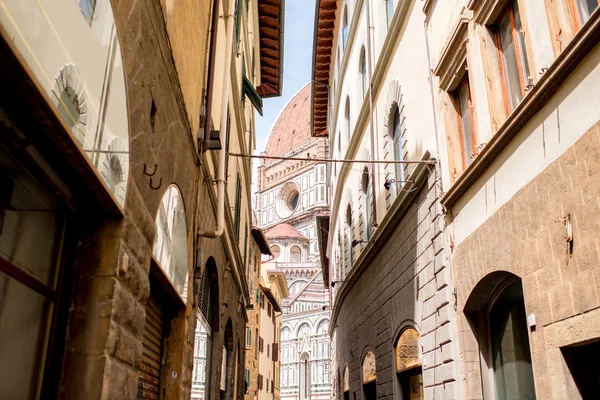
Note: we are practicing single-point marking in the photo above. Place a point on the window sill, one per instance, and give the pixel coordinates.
(583, 42)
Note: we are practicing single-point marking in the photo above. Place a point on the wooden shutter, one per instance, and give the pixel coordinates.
(272, 386)
(150, 367)
(275, 351)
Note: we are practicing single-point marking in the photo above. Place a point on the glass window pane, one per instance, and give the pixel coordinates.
(510, 346)
(30, 226)
(389, 11)
(23, 325)
(509, 58)
(465, 117)
(522, 48)
(170, 244)
(586, 8)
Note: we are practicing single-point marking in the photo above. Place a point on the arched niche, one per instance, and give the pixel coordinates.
(84, 78)
(170, 247)
(369, 368)
(407, 350)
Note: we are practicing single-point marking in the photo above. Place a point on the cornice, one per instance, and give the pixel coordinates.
(454, 53)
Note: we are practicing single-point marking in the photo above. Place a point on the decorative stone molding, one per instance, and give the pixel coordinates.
(69, 78)
(394, 97)
(486, 11)
(453, 60)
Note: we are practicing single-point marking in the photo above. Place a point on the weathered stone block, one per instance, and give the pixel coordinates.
(584, 294)
(587, 255)
(561, 304)
(120, 381)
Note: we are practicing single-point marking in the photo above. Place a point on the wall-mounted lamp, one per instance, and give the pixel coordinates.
(388, 183)
(334, 282)
(357, 242)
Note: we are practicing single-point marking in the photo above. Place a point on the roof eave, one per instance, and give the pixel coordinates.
(267, 90)
(261, 241)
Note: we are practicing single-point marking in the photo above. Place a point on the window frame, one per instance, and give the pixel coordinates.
(345, 28)
(465, 83)
(389, 12)
(362, 70)
(483, 334)
(521, 55)
(576, 21)
(397, 141)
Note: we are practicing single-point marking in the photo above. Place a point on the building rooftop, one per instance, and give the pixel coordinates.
(284, 231)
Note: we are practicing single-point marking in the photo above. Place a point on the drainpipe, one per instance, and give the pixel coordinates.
(211, 72)
(230, 16)
(371, 119)
(438, 177)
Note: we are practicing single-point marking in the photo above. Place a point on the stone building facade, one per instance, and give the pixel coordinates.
(522, 195)
(108, 193)
(386, 244)
(478, 271)
(254, 273)
(291, 195)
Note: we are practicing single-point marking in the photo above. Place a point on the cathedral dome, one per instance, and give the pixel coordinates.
(292, 127)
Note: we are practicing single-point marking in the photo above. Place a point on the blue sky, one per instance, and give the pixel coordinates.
(297, 65)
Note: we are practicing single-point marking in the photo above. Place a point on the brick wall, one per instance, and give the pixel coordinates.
(405, 284)
(561, 287)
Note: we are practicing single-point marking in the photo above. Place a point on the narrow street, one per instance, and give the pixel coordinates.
(300, 200)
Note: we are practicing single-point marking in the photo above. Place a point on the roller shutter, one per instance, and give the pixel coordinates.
(150, 367)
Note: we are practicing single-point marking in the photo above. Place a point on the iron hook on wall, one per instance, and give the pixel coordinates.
(159, 184)
(153, 172)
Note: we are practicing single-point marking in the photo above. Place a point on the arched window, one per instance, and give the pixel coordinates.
(369, 376)
(296, 286)
(389, 11)
(408, 365)
(207, 299)
(366, 189)
(304, 331)
(397, 129)
(349, 235)
(286, 333)
(362, 71)
(323, 327)
(275, 251)
(345, 28)
(347, 120)
(295, 254)
(170, 243)
(497, 308)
